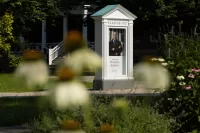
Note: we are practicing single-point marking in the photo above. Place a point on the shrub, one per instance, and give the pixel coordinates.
(14, 60)
(6, 31)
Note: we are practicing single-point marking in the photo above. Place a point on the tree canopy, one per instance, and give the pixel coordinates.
(26, 12)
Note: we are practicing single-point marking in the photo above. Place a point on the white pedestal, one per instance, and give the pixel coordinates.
(114, 42)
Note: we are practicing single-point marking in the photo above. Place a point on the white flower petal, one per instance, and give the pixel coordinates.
(182, 83)
(180, 77)
(69, 94)
(155, 76)
(142, 72)
(164, 64)
(169, 99)
(154, 59)
(161, 59)
(34, 73)
(160, 78)
(83, 58)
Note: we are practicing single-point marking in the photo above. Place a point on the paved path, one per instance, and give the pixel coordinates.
(139, 91)
(14, 129)
(127, 92)
(83, 78)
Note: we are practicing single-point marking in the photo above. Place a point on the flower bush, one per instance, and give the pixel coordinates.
(182, 100)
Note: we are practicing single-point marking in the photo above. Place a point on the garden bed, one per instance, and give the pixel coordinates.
(18, 111)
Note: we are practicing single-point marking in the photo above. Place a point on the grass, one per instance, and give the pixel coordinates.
(9, 84)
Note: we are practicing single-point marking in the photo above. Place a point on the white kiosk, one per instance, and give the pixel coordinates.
(114, 42)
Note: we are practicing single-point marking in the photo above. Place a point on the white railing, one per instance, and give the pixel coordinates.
(55, 52)
(51, 45)
(38, 46)
(91, 45)
(31, 46)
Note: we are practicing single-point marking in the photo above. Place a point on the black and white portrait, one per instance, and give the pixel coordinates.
(116, 41)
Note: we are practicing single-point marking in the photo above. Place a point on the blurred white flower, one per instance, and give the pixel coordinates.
(180, 77)
(142, 71)
(169, 99)
(161, 59)
(154, 74)
(154, 59)
(33, 73)
(182, 83)
(173, 83)
(67, 94)
(83, 59)
(160, 79)
(164, 64)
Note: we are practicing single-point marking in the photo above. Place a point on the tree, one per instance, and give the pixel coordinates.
(180, 11)
(6, 35)
(27, 12)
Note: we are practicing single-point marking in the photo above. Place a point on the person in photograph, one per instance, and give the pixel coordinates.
(115, 47)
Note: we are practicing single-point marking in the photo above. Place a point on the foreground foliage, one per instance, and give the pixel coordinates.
(17, 111)
(136, 119)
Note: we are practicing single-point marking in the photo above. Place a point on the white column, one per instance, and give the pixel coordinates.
(130, 49)
(85, 12)
(64, 26)
(43, 34)
(105, 53)
(169, 52)
(21, 39)
(120, 39)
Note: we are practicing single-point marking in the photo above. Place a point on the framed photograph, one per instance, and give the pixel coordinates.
(117, 40)
(117, 51)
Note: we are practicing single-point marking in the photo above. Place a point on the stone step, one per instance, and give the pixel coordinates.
(52, 69)
(57, 61)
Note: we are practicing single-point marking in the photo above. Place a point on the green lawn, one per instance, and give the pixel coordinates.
(9, 84)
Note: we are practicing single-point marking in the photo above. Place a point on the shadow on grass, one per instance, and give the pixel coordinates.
(17, 111)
